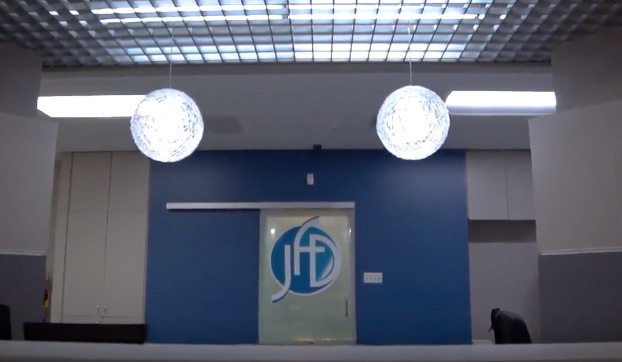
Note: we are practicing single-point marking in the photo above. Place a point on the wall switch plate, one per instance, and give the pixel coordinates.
(372, 278)
(310, 179)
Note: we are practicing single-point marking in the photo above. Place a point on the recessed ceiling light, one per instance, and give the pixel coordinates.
(101, 106)
(501, 103)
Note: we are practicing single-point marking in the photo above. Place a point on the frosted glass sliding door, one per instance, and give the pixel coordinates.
(307, 277)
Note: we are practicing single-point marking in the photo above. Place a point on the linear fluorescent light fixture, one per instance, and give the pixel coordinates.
(360, 6)
(316, 5)
(500, 103)
(405, 2)
(187, 8)
(179, 19)
(371, 16)
(209, 18)
(104, 106)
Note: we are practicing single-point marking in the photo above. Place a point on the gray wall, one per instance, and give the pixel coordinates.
(576, 177)
(587, 71)
(27, 157)
(27, 153)
(503, 259)
(581, 296)
(20, 72)
(22, 287)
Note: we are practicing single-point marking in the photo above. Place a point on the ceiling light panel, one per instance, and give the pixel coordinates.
(501, 103)
(96, 106)
(126, 32)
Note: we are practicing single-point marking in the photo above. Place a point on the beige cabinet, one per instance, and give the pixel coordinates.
(487, 186)
(125, 264)
(105, 246)
(499, 185)
(84, 264)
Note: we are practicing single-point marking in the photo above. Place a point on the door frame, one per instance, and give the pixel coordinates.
(310, 205)
(258, 205)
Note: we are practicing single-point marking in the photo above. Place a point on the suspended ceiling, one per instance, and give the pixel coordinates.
(76, 33)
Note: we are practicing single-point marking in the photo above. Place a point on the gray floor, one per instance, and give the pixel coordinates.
(36, 351)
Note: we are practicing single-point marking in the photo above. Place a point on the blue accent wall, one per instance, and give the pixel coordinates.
(411, 225)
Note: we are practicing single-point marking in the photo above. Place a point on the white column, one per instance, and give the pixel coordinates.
(577, 174)
(577, 168)
(27, 156)
(577, 171)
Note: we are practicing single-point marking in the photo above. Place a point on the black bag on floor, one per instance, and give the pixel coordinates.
(5, 322)
(509, 327)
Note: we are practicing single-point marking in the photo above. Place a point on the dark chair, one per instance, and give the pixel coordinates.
(5, 322)
(509, 327)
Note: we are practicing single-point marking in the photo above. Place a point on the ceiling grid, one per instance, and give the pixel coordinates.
(83, 33)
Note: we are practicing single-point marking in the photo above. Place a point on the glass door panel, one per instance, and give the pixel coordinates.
(306, 277)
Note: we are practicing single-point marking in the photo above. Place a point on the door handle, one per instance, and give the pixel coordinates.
(347, 306)
(97, 309)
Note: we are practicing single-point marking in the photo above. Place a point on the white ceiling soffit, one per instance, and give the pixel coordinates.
(294, 106)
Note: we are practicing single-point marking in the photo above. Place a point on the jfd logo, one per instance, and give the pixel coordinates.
(304, 260)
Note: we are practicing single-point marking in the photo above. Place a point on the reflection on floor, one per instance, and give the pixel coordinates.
(39, 351)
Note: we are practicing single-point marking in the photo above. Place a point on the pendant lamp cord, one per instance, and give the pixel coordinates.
(170, 62)
(410, 62)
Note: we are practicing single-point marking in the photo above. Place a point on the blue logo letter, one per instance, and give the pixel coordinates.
(304, 260)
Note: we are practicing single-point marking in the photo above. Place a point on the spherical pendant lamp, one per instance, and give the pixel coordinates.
(413, 123)
(167, 125)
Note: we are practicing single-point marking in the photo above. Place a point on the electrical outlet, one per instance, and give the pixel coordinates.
(372, 278)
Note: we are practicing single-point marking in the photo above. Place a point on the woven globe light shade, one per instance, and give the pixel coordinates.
(167, 125)
(413, 123)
